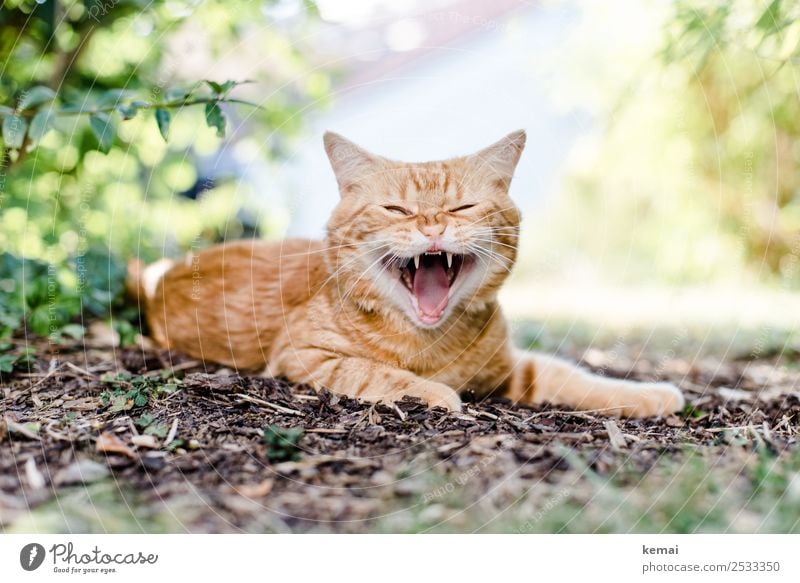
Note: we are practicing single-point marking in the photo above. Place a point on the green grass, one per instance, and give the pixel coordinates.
(101, 507)
(684, 342)
(737, 491)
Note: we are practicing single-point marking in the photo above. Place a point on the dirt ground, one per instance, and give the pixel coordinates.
(135, 440)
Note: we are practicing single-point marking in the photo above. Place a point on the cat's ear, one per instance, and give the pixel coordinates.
(499, 160)
(351, 163)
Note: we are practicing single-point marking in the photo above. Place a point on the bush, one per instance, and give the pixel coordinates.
(104, 134)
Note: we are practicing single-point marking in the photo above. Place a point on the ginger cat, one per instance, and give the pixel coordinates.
(399, 299)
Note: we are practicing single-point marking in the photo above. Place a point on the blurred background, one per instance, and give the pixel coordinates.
(659, 185)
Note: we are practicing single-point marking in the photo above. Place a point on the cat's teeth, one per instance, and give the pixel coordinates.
(416, 261)
(449, 260)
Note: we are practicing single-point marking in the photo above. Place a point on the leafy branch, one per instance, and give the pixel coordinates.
(36, 112)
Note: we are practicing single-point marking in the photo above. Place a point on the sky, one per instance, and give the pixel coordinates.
(467, 78)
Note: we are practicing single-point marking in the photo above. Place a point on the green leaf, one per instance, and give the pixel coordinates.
(103, 280)
(128, 110)
(215, 118)
(145, 420)
(120, 403)
(180, 94)
(41, 123)
(75, 331)
(770, 19)
(228, 85)
(14, 127)
(71, 108)
(127, 333)
(7, 362)
(176, 94)
(115, 97)
(157, 429)
(221, 89)
(216, 87)
(6, 110)
(36, 96)
(103, 130)
(282, 443)
(175, 444)
(169, 388)
(29, 430)
(162, 119)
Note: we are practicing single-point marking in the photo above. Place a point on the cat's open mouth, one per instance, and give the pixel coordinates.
(430, 278)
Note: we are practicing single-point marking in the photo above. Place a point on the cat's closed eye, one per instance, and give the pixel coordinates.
(461, 208)
(397, 209)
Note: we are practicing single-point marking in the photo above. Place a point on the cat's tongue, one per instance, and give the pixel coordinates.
(431, 286)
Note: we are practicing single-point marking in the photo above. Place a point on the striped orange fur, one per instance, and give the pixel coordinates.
(399, 299)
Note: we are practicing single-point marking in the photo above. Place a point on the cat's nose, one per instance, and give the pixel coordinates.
(433, 231)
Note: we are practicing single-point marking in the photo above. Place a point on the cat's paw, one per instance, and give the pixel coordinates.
(451, 401)
(654, 399)
(435, 395)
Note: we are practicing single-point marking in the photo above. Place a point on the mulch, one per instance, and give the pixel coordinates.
(356, 465)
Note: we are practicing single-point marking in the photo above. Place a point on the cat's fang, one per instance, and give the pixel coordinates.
(411, 268)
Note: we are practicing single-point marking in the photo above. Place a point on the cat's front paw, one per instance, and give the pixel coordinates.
(435, 395)
(654, 399)
(451, 401)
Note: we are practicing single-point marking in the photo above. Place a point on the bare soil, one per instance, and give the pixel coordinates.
(194, 457)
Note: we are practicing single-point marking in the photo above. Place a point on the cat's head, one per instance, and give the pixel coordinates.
(424, 240)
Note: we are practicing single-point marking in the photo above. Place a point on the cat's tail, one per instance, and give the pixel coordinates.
(143, 279)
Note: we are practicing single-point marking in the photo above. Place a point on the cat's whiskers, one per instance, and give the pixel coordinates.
(474, 244)
(505, 231)
(493, 242)
(346, 296)
(326, 249)
(489, 257)
(488, 261)
(492, 236)
(476, 236)
(385, 244)
(378, 245)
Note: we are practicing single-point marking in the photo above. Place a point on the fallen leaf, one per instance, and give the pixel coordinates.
(256, 490)
(615, 435)
(675, 421)
(110, 443)
(734, 394)
(88, 404)
(172, 432)
(35, 478)
(148, 441)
